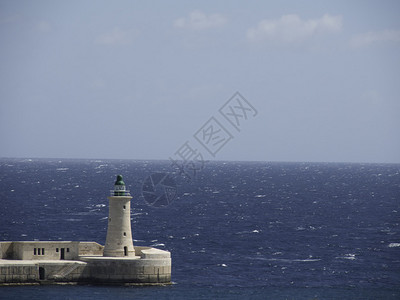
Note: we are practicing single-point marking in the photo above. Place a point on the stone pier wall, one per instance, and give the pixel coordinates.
(19, 273)
(153, 266)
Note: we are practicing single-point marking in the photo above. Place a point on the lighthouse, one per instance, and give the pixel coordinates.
(119, 234)
(48, 262)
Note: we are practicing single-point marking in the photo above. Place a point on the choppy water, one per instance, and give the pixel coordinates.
(239, 230)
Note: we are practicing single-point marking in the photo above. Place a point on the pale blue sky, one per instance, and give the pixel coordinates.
(137, 79)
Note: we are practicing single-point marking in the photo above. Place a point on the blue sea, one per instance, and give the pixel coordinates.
(236, 230)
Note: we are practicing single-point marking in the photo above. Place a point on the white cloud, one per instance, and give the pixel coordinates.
(43, 26)
(372, 37)
(291, 28)
(197, 20)
(98, 83)
(116, 37)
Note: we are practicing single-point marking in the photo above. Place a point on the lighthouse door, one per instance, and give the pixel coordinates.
(62, 253)
(41, 273)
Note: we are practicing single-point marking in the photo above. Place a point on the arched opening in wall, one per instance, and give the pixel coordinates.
(126, 251)
(41, 273)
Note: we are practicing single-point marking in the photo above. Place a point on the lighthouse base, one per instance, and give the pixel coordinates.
(149, 266)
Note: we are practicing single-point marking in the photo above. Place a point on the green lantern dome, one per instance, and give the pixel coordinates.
(119, 180)
(119, 187)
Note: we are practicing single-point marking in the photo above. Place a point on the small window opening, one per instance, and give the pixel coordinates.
(38, 251)
(42, 251)
(34, 251)
(126, 251)
(67, 249)
(124, 206)
(57, 250)
(124, 233)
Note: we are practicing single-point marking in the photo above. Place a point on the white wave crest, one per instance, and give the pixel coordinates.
(62, 169)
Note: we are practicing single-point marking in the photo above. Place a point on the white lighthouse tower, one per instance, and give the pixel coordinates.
(119, 234)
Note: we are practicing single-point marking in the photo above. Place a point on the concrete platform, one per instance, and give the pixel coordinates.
(151, 267)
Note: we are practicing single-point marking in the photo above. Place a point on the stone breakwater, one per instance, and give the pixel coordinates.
(149, 266)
